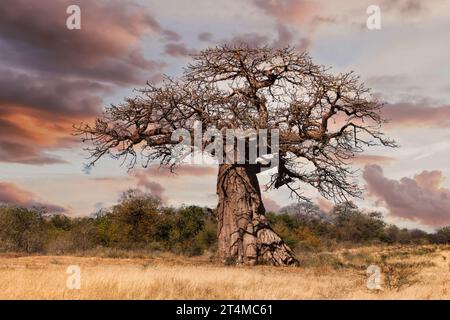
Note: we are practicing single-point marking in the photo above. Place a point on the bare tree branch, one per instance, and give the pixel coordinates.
(324, 119)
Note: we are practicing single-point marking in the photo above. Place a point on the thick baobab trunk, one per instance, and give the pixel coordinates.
(245, 236)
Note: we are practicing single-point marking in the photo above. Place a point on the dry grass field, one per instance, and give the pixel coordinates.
(407, 273)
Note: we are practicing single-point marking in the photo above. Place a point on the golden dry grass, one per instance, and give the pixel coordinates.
(413, 273)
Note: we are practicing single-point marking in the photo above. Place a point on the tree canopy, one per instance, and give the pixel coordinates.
(323, 119)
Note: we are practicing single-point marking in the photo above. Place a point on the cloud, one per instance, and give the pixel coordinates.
(26, 139)
(156, 171)
(26, 154)
(406, 7)
(145, 178)
(178, 50)
(270, 204)
(324, 204)
(284, 12)
(56, 77)
(417, 114)
(252, 39)
(34, 35)
(205, 36)
(52, 77)
(153, 187)
(58, 97)
(293, 11)
(365, 159)
(37, 114)
(420, 199)
(11, 194)
(284, 37)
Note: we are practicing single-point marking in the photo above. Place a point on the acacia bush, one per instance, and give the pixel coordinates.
(22, 229)
(441, 236)
(352, 224)
(140, 221)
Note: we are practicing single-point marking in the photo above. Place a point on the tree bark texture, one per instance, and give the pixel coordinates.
(244, 234)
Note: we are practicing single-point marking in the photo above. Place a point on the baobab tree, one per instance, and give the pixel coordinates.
(322, 120)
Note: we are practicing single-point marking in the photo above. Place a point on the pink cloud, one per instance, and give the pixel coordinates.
(153, 187)
(365, 159)
(417, 114)
(51, 78)
(179, 50)
(293, 11)
(270, 204)
(324, 204)
(420, 199)
(183, 170)
(34, 36)
(11, 194)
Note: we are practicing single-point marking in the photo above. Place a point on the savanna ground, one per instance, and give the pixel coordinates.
(408, 272)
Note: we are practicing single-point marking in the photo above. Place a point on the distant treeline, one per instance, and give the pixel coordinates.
(140, 222)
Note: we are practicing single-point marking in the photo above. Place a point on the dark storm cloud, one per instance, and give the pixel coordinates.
(33, 34)
(37, 113)
(48, 93)
(52, 77)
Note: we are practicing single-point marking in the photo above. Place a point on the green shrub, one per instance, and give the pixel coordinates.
(22, 229)
(139, 222)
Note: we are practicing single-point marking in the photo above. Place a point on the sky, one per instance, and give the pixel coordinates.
(52, 77)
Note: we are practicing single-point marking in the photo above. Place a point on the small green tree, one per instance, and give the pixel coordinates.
(352, 224)
(132, 222)
(83, 233)
(22, 229)
(186, 225)
(442, 235)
